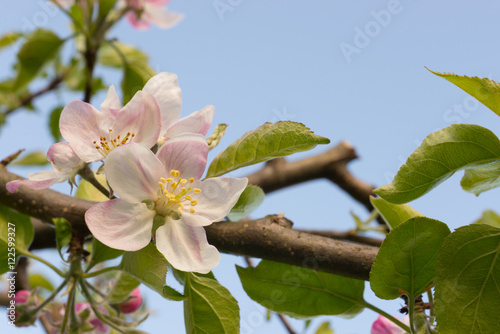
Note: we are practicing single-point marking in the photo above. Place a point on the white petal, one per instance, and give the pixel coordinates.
(141, 116)
(197, 122)
(193, 219)
(111, 103)
(133, 171)
(165, 88)
(186, 247)
(161, 16)
(186, 153)
(218, 196)
(64, 159)
(81, 125)
(121, 225)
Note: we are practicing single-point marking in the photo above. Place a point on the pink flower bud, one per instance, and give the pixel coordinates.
(133, 303)
(384, 326)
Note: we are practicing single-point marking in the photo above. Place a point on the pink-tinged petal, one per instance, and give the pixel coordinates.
(186, 153)
(133, 171)
(121, 225)
(161, 16)
(141, 116)
(165, 88)
(197, 122)
(384, 326)
(138, 24)
(37, 181)
(22, 296)
(186, 247)
(157, 2)
(111, 103)
(64, 158)
(218, 196)
(81, 125)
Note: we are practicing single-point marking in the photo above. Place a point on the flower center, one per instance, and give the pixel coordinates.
(175, 195)
(106, 145)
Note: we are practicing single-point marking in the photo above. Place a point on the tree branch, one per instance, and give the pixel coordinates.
(268, 238)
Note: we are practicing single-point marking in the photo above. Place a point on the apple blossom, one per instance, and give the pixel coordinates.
(22, 301)
(165, 88)
(147, 12)
(93, 134)
(385, 326)
(164, 188)
(133, 303)
(65, 163)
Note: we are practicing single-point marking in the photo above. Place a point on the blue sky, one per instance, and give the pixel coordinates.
(263, 61)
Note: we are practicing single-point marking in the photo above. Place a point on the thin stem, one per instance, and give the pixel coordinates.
(387, 315)
(411, 313)
(431, 305)
(50, 265)
(100, 272)
(88, 175)
(69, 306)
(52, 296)
(97, 312)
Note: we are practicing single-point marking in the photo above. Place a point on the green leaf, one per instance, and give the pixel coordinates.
(406, 261)
(63, 233)
(268, 141)
(123, 285)
(173, 294)
(32, 159)
(40, 47)
(105, 6)
(9, 38)
(18, 228)
(38, 280)
(148, 266)
(301, 292)
(135, 76)
(480, 179)
(324, 328)
(249, 200)
(55, 114)
(467, 281)
(121, 54)
(209, 307)
(441, 154)
(489, 217)
(87, 191)
(101, 252)
(214, 139)
(484, 90)
(394, 214)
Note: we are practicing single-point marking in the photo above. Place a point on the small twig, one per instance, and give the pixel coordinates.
(27, 99)
(283, 318)
(11, 157)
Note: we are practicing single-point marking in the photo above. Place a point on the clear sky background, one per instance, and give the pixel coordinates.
(265, 61)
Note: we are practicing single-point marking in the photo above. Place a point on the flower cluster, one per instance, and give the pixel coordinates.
(161, 198)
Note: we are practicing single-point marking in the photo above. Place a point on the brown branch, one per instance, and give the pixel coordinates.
(331, 165)
(347, 235)
(27, 99)
(268, 238)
